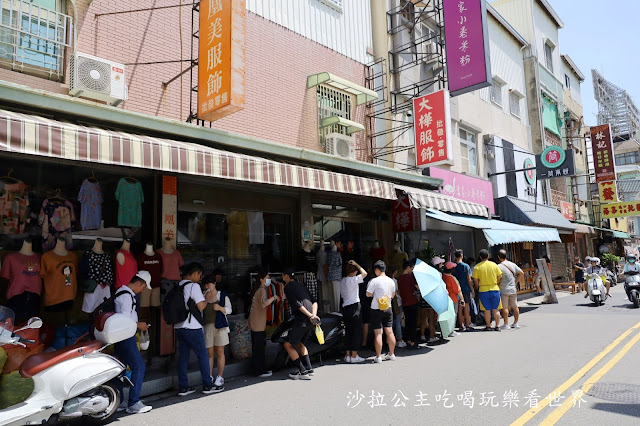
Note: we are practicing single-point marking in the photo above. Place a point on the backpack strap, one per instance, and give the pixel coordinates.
(134, 303)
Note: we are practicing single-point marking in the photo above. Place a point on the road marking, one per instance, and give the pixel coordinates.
(573, 379)
(553, 418)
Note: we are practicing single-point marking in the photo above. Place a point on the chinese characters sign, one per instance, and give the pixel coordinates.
(404, 217)
(608, 192)
(467, 45)
(555, 162)
(530, 171)
(568, 210)
(432, 129)
(221, 58)
(602, 147)
(465, 187)
(630, 208)
(170, 208)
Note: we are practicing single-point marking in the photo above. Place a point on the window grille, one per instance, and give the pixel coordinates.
(496, 93)
(514, 104)
(331, 103)
(548, 56)
(335, 4)
(468, 151)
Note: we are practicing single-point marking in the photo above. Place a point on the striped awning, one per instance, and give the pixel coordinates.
(36, 135)
(421, 199)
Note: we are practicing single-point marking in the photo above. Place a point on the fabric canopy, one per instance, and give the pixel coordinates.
(28, 134)
(515, 210)
(421, 199)
(498, 232)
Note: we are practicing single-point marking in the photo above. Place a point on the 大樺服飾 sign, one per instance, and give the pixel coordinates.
(629, 208)
(602, 147)
(608, 192)
(467, 45)
(432, 129)
(555, 162)
(221, 58)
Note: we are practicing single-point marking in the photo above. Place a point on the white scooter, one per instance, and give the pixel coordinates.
(597, 290)
(72, 382)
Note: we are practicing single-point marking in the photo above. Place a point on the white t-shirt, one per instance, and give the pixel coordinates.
(349, 290)
(191, 291)
(379, 287)
(124, 303)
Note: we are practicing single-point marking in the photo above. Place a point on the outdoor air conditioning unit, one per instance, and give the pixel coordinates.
(97, 78)
(341, 145)
(430, 52)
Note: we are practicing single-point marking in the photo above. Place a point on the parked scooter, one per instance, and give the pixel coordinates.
(332, 326)
(74, 381)
(596, 289)
(632, 287)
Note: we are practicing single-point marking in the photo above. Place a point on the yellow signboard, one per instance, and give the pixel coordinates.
(629, 208)
(608, 192)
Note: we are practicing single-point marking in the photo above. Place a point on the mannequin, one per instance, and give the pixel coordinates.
(309, 267)
(377, 252)
(97, 268)
(148, 250)
(97, 246)
(334, 260)
(58, 269)
(120, 257)
(171, 264)
(61, 247)
(126, 265)
(22, 271)
(398, 257)
(167, 247)
(151, 261)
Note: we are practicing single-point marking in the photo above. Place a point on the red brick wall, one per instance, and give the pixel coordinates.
(279, 107)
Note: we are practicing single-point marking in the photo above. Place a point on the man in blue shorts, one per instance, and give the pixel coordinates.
(487, 275)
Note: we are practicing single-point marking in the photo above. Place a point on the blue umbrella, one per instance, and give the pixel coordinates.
(447, 320)
(432, 288)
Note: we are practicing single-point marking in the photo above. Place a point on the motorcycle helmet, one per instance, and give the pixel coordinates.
(631, 258)
(595, 261)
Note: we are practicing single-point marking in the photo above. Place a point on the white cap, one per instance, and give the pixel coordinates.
(587, 259)
(437, 260)
(146, 276)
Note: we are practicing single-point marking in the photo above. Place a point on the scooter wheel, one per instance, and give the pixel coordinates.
(635, 299)
(108, 390)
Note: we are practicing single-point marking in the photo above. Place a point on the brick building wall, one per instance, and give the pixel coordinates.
(279, 107)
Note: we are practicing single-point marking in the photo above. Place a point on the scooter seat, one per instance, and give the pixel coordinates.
(40, 362)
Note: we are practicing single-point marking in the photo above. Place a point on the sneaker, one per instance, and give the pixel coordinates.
(505, 327)
(390, 357)
(138, 408)
(123, 406)
(347, 359)
(219, 381)
(402, 344)
(208, 390)
(433, 340)
(186, 391)
(356, 359)
(454, 334)
(297, 375)
(310, 373)
(515, 325)
(377, 360)
(266, 374)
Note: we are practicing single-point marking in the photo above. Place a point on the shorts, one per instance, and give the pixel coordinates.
(365, 310)
(381, 319)
(467, 298)
(509, 301)
(150, 297)
(490, 300)
(297, 334)
(215, 336)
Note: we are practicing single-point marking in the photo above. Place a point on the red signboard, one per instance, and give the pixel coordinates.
(603, 160)
(432, 129)
(567, 210)
(405, 218)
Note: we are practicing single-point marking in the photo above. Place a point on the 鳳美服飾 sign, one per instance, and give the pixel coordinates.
(221, 58)
(629, 208)
(602, 147)
(555, 162)
(608, 192)
(432, 129)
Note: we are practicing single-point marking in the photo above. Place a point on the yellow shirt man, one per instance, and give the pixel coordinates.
(488, 275)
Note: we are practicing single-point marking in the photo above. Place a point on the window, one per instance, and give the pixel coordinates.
(627, 158)
(548, 56)
(496, 92)
(33, 36)
(514, 104)
(407, 9)
(331, 103)
(334, 4)
(567, 81)
(469, 152)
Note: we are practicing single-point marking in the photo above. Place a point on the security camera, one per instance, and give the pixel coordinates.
(408, 113)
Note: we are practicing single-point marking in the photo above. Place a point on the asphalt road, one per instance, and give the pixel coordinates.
(478, 377)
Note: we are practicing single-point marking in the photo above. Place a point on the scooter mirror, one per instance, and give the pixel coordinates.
(34, 322)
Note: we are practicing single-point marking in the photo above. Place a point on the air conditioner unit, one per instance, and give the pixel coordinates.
(97, 78)
(341, 145)
(430, 52)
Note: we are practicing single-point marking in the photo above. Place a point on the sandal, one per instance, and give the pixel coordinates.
(487, 328)
(496, 329)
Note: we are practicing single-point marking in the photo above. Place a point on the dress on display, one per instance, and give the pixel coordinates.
(90, 197)
(128, 270)
(57, 219)
(13, 207)
(99, 268)
(238, 235)
(130, 198)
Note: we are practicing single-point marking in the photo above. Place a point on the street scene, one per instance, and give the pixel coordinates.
(319, 212)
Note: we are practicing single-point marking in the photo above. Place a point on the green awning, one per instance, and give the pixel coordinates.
(620, 234)
(550, 115)
(351, 126)
(363, 95)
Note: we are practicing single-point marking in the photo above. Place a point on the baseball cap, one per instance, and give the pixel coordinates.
(450, 265)
(380, 266)
(437, 260)
(146, 277)
(288, 271)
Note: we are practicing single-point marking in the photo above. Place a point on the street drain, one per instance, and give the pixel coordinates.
(617, 392)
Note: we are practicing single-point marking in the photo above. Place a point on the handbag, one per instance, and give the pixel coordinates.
(383, 303)
(144, 340)
(88, 286)
(319, 334)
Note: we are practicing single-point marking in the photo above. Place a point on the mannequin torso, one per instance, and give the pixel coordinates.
(61, 248)
(97, 247)
(27, 248)
(126, 245)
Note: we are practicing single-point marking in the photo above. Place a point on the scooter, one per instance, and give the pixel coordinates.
(632, 287)
(597, 290)
(74, 381)
(333, 327)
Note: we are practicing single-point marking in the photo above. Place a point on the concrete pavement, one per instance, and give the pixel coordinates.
(476, 377)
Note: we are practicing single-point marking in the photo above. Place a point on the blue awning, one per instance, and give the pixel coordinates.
(498, 232)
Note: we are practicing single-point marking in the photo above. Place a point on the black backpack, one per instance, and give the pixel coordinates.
(173, 307)
(108, 305)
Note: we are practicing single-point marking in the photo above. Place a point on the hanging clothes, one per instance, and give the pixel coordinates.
(90, 197)
(311, 284)
(128, 270)
(130, 198)
(99, 268)
(256, 227)
(57, 219)
(238, 235)
(13, 207)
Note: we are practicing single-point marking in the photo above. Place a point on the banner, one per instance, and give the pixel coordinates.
(602, 147)
(467, 45)
(404, 217)
(608, 192)
(432, 129)
(465, 187)
(629, 208)
(221, 58)
(555, 162)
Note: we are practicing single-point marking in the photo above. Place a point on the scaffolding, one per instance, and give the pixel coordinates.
(615, 107)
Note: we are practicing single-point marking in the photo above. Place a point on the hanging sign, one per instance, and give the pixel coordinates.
(405, 218)
(602, 147)
(432, 129)
(629, 208)
(555, 162)
(170, 208)
(465, 187)
(221, 58)
(608, 192)
(568, 210)
(467, 45)
(530, 172)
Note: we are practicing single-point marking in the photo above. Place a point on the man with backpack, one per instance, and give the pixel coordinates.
(127, 351)
(186, 302)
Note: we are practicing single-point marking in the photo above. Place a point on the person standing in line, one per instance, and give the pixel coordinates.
(189, 333)
(407, 288)
(462, 272)
(487, 275)
(258, 324)
(380, 288)
(305, 310)
(396, 306)
(349, 290)
(127, 350)
(454, 290)
(216, 327)
(511, 274)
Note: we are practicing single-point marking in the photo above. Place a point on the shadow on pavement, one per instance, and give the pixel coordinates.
(632, 410)
(528, 309)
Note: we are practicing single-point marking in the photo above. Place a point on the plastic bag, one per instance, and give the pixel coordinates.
(474, 307)
(320, 334)
(144, 340)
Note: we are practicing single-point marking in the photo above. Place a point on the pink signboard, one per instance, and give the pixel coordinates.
(465, 187)
(467, 45)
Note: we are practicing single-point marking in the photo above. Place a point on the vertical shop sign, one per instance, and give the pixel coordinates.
(602, 147)
(608, 192)
(170, 208)
(432, 129)
(405, 218)
(221, 58)
(467, 45)
(568, 210)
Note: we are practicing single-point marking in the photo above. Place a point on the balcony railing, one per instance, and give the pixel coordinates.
(33, 38)
(550, 82)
